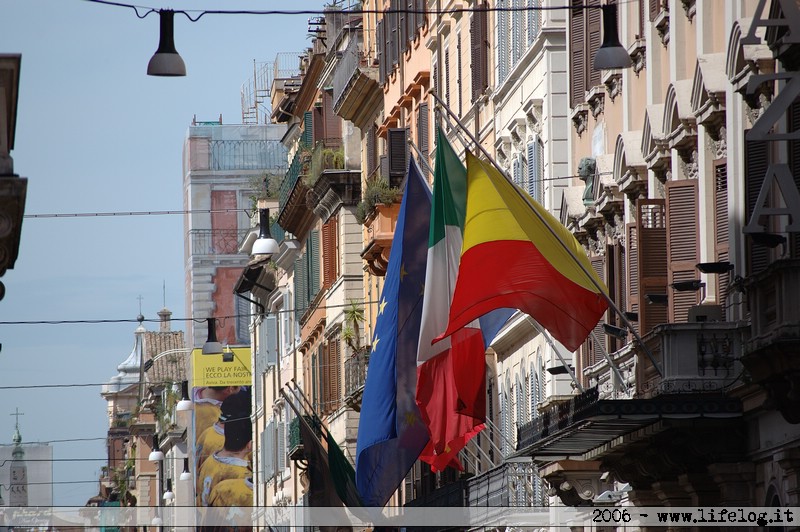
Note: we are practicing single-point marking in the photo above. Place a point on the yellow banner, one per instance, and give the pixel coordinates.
(213, 370)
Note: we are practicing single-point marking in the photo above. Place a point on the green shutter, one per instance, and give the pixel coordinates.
(308, 129)
(313, 264)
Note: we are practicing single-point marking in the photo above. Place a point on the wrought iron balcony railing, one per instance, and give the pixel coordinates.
(215, 241)
(355, 375)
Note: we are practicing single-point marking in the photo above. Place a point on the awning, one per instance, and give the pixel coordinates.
(586, 422)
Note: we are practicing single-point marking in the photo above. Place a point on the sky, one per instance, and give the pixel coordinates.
(95, 134)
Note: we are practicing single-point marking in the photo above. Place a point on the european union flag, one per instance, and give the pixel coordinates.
(391, 434)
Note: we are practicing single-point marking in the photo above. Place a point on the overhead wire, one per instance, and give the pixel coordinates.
(158, 320)
(317, 12)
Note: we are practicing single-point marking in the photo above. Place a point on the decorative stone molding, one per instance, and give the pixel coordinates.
(596, 100)
(580, 118)
(638, 56)
(718, 143)
(662, 26)
(689, 163)
(690, 8)
(613, 83)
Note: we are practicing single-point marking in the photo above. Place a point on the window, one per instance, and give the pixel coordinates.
(479, 50)
(584, 40)
(535, 170)
(242, 320)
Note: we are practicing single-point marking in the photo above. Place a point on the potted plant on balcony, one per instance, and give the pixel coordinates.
(263, 186)
(377, 192)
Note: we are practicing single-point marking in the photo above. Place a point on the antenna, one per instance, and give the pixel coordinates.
(140, 298)
(164, 291)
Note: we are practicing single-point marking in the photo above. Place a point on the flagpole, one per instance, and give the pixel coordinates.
(552, 231)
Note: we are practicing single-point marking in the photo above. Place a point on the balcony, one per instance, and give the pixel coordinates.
(355, 374)
(356, 93)
(293, 215)
(770, 354)
(694, 358)
(215, 241)
(513, 483)
(380, 226)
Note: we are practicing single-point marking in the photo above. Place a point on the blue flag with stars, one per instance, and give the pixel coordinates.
(391, 434)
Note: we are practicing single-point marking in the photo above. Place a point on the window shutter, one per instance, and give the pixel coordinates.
(286, 324)
(384, 164)
(319, 124)
(380, 45)
(394, 39)
(756, 162)
(520, 400)
(593, 23)
(534, 20)
(242, 321)
(372, 150)
(307, 137)
(270, 325)
(534, 395)
(402, 27)
(504, 422)
(651, 238)
(794, 165)
(517, 29)
(422, 135)
(535, 169)
(478, 50)
(503, 39)
(335, 371)
(682, 250)
(577, 82)
(333, 124)
(654, 7)
(329, 255)
(281, 447)
(420, 7)
(398, 155)
(435, 81)
(300, 286)
(633, 271)
(516, 171)
(313, 264)
(447, 75)
(268, 451)
(721, 226)
(594, 348)
(459, 74)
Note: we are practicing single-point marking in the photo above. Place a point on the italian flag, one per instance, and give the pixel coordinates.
(450, 374)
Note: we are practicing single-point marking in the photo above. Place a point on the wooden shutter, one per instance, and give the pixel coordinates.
(721, 226)
(577, 72)
(372, 149)
(596, 342)
(516, 171)
(333, 124)
(503, 38)
(335, 371)
(633, 271)
(281, 447)
(651, 236)
(268, 452)
(380, 45)
(615, 281)
(593, 40)
(479, 47)
(654, 7)
(682, 250)
(300, 286)
(447, 76)
(423, 132)
(756, 162)
(421, 7)
(517, 29)
(307, 137)
(319, 124)
(535, 169)
(271, 352)
(459, 74)
(402, 27)
(793, 117)
(314, 263)
(397, 155)
(330, 252)
(534, 20)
